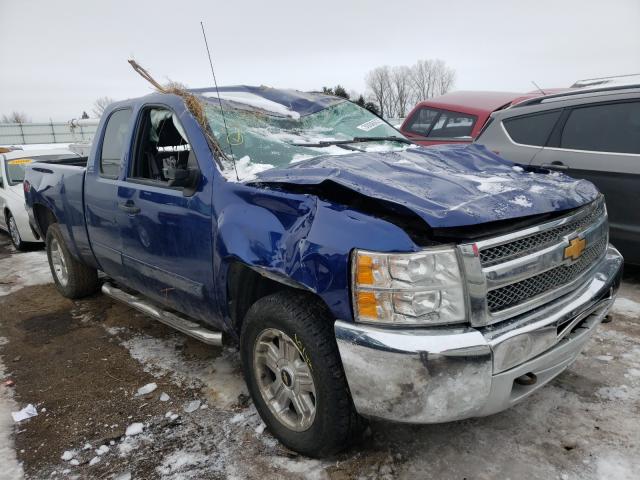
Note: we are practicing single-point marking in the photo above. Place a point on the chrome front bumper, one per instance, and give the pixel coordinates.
(443, 374)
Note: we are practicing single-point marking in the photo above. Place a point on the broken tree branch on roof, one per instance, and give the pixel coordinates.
(194, 105)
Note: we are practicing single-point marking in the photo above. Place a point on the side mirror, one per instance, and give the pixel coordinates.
(187, 178)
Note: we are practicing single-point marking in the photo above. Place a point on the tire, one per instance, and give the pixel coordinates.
(72, 278)
(14, 234)
(303, 319)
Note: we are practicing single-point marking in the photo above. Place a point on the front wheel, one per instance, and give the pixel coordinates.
(14, 233)
(72, 278)
(293, 370)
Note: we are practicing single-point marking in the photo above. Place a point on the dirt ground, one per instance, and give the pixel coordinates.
(81, 364)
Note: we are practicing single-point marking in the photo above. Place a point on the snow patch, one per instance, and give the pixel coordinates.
(192, 406)
(147, 389)
(8, 459)
(247, 170)
(612, 465)
(134, 429)
(180, 461)
(627, 307)
(521, 201)
(24, 270)
(222, 378)
(68, 455)
(254, 100)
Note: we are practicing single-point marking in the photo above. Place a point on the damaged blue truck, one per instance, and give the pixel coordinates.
(361, 275)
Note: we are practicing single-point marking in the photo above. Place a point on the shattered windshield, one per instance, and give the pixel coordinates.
(265, 134)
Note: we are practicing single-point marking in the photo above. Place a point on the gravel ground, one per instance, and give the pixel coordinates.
(82, 363)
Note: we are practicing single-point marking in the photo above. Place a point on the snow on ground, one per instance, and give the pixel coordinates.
(628, 307)
(222, 380)
(23, 270)
(10, 469)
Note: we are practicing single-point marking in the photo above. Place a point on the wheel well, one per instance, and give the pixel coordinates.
(245, 287)
(44, 218)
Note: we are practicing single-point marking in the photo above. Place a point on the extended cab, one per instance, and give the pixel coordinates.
(362, 275)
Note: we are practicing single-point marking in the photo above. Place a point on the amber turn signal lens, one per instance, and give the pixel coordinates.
(367, 305)
(365, 270)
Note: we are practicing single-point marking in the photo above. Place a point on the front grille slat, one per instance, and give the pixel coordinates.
(526, 245)
(515, 293)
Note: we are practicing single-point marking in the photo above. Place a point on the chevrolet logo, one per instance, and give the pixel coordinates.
(575, 248)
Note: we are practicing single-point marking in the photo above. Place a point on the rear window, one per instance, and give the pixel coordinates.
(114, 143)
(532, 129)
(453, 125)
(422, 120)
(434, 123)
(603, 128)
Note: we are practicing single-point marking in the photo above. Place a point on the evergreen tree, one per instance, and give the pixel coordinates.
(361, 101)
(339, 91)
(372, 107)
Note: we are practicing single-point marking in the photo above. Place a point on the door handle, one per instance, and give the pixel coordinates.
(129, 207)
(555, 166)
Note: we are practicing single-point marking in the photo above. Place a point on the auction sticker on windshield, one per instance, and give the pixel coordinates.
(370, 125)
(20, 161)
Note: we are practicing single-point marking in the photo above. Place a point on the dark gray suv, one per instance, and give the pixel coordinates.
(592, 134)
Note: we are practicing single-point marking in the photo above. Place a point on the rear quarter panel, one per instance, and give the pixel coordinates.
(60, 188)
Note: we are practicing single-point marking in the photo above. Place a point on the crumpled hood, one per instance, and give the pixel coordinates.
(447, 186)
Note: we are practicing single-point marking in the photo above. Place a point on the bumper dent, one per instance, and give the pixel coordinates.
(442, 374)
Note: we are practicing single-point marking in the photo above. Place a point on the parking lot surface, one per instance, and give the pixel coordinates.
(89, 368)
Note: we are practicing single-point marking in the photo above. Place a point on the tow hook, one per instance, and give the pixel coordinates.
(527, 379)
(607, 319)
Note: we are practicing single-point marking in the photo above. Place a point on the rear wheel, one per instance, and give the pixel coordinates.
(14, 233)
(294, 373)
(72, 278)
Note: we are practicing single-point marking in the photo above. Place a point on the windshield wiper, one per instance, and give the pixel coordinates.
(328, 143)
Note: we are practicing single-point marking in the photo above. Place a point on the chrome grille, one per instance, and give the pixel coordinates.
(507, 296)
(526, 245)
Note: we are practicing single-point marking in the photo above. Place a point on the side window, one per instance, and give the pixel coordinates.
(422, 120)
(453, 125)
(532, 129)
(114, 143)
(162, 148)
(603, 128)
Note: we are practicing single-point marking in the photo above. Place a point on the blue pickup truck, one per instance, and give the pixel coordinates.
(361, 275)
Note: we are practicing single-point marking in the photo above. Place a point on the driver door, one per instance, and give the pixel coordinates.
(165, 230)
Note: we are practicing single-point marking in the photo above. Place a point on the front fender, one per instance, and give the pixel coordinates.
(297, 239)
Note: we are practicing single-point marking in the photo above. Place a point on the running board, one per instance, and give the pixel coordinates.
(210, 337)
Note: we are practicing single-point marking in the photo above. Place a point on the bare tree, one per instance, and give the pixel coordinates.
(378, 82)
(430, 78)
(16, 117)
(100, 104)
(401, 83)
(444, 78)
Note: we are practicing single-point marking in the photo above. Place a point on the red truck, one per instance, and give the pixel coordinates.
(458, 117)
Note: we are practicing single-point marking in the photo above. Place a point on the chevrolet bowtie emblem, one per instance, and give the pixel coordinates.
(575, 248)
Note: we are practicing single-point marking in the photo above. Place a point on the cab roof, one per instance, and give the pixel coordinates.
(473, 102)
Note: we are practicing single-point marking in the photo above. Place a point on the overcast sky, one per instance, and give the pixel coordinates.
(57, 57)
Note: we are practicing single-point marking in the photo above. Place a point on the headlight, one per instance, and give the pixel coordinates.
(423, 288)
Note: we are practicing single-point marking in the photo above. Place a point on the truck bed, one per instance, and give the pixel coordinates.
(59, 187)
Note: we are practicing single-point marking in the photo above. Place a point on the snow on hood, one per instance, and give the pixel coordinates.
(447, 186)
